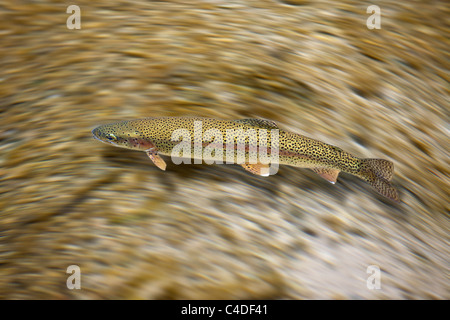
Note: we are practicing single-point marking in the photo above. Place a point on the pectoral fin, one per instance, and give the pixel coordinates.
(258, 169)
(327, 173)
(157, 160)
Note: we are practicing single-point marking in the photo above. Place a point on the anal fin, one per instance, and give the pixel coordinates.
(327, 173)
(157, 160)
(258, 169)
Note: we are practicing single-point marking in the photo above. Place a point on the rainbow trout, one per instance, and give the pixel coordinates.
(238, 141)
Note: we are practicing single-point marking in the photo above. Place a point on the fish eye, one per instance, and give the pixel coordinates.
(111, 137)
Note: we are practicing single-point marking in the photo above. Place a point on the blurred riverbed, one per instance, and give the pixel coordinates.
(218, 232)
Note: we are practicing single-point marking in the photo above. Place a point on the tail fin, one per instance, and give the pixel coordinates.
(378, 172)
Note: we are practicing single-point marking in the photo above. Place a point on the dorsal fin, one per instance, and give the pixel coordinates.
(262, 123)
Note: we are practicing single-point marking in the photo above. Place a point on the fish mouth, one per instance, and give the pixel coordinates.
(96, 136)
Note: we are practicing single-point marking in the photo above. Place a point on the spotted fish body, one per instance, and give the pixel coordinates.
(155, 137)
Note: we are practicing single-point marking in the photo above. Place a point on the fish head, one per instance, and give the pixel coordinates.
(122, 134)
